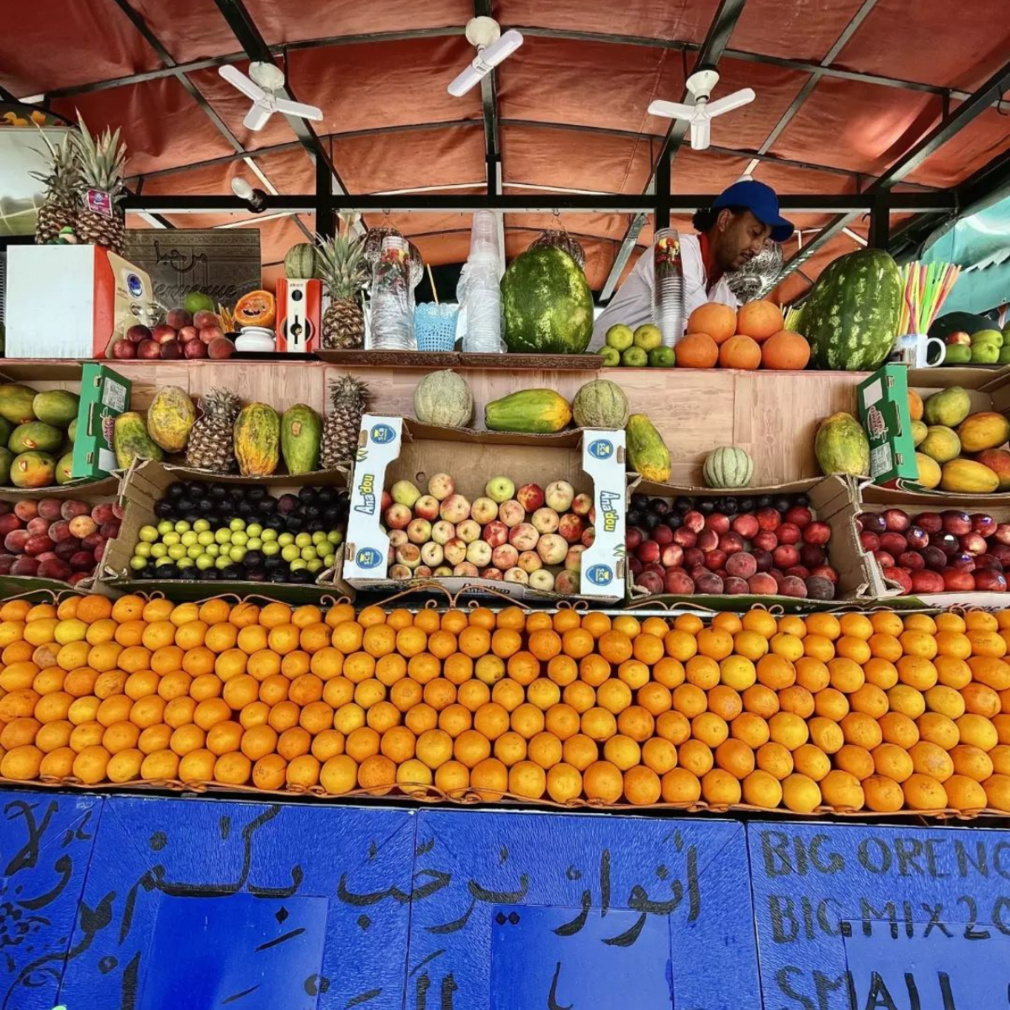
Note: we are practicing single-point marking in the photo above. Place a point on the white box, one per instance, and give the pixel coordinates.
(392, 448)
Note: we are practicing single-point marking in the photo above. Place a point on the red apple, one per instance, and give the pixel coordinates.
(205, 318)
(1002, 553)
(817, 533)
(933, 557)
(49, 508)
(747, 525)
(14, 542)
(931, 582)
(962, 561)
(194, 349)
(789, 533)
(981, 523)
(884, 559)
(896, 520)
(38, 544)
(149, 349)
(570, 527)
(531, 497)
(973, 543)
(582, 504)
(589, 536)
(708, 540)
(123, 349)
(663, 535)
(988, 561)
(672, 556)
(678, 583)
(137, 333)
(82, 561)
(685, 537)
(647, 552)
(37, 525)
(799, 515)
(872, 522)
(25, 566)
(634, 565)
(954, 581)
(1002, 533)
(496, 533)
(54, 569)
(990, 581)
(916, 538)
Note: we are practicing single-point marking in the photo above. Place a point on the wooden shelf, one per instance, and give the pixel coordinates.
(455, 359)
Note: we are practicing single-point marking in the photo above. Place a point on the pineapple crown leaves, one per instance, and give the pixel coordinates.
(340, 260)
(62, 162)
(347, 389)
(102, 159)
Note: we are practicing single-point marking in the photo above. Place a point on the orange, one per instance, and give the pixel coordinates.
(434, 747)
(622, 752)
(545, 749)
(799, 701)
(673, 726)
(418, 718)
(801, 794)
(509, 748)
(679, 645)
(826, 734)
(593, 669)
(681, 787)
(231, 663)
(709, 728)
(898, 729)
(564, 783)
(842, 791)
(339, 775)
(579, 695)
(831, 704)
(208, 713)
(760, 700)
(398, 744)
(54, 735)
(775, 672)
(543, 693)
(19, 733)
(506, 642)
(738, 672)
(363, 743)
(761, 789)
(715, 643)
(703, 672)
(242, 691)
(614, 646)
(789, 730)
(473, 641)
(455, 719)
(751, 729)
(565, 619)
(759, 319)
(346, 638)
(527, 720)
(846, 675)
(603, 781)
(389, 670)
(696, 757)
(646, 648)
(775, 759)
(883, 795)
(715, 319)
(785, 350)
(812, 674)
(792, 647)
(720, 789)
(924, 793)
(697, 350)
(528, 780)
(594, 622)
(656, 698)
(740, 352)
(579, 751)
(978, 731)
(563, 670)
(293, 742)
(614, 695)
(642, 786)
(669, 672)
(735, 757)
(597, 723)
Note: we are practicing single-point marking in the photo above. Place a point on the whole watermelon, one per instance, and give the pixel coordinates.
(547, 307)
(850, 318)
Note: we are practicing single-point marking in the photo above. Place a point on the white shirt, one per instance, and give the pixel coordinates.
(632, 304)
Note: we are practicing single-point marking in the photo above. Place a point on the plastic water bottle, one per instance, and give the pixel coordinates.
(479, 290)
(668, 286)
(392, 317)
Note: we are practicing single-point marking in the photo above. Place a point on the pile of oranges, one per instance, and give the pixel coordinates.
(875, 711)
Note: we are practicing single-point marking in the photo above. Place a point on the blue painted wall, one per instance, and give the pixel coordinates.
(147, 903)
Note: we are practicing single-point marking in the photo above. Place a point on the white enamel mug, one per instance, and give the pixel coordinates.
(915, 350)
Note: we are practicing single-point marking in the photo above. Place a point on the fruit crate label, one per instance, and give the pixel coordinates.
(603, 563)
(104, 396)
(884, 413)
(367, 545)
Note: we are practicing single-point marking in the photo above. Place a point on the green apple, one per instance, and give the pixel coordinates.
(1004, 357)
(648, 336)
(957, 354)
(634, 357)
(611, 359)
(620, 337)
(662, 357)
(985, 353)
(987, 336)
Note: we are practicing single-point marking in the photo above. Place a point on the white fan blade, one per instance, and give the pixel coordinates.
(237, 79)
(701, 134)
(286, 108)
(671, 110)
(493, 54)
(731, 102)
(465, 81)
(256, 118)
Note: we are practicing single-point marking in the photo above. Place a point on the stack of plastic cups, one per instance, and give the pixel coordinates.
(479, 291)
(668, 286)
(392, 319)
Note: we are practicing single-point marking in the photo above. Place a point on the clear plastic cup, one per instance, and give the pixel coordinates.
(668, 286)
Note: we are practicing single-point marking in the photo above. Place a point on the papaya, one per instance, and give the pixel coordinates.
(530, 411)
(919, 432)
(35, 435)
(647, 453)
(929, 470)
(57, 407)
(6, 458)
(949, 407)
(965, 476)
(170, 418)
(257, 440)
(33, 469)
(257, 308)
(301, 438)
(131, 441)
(941, 443)
(65, 469)
(998, 460)
(16, 403)
(841, 446)
(985, 430)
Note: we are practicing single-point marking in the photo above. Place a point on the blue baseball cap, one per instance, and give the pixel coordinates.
(761, 201)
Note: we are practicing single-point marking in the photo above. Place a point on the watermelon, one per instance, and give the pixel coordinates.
(547, 307)
(850, 318)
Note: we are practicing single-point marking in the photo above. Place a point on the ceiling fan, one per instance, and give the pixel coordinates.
(262, 85)
(703, 111)
(492, 47)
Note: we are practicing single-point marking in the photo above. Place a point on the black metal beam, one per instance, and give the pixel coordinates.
(376, 38)
(948, 128)
(256, 49)
(709, 53)
(489, 105)
(606, 203)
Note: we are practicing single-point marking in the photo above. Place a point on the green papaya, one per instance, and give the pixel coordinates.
(257, 436)
(33, 469)
(57, 407)
(65, 469)
(131, 441)
(35, 435)
(6, 458)
(301, 438)
(841, 446)
(170, 418)
(16, 403)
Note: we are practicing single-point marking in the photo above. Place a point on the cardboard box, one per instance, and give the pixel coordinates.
(827, 495)
(986, 389)
(393, 448)
(865, 572)
(104, 396)
(145, 484)
(884, 413)
(94, 493)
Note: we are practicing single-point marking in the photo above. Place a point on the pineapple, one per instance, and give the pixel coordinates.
(348, 399)
(343, 270)
(211, 445)
(62, 180)
(102, 161)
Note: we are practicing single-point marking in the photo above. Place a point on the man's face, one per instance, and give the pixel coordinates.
(740, 237)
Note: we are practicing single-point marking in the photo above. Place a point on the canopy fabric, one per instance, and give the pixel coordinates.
(571, 102)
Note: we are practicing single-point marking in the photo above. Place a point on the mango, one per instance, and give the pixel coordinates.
(16, 403)
(33, 469)
(941, 443)
(998, 460)
(57, 407)
(965, 476)
(985, 430)
(929, 470)
(949, 407)
(6, 458)
(65, 469)
(919, 432)
(35, 435)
